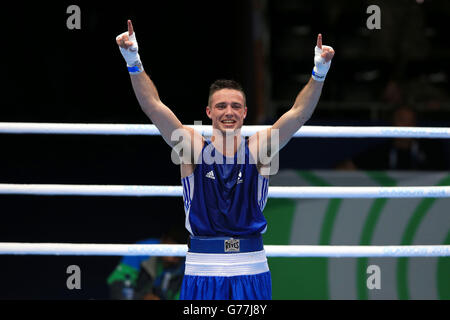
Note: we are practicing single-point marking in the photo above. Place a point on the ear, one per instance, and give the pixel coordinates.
(208, 111)
(245, 112)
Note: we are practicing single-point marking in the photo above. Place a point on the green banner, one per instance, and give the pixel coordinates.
(411, 221)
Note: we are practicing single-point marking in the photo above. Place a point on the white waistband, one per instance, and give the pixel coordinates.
(227, 264)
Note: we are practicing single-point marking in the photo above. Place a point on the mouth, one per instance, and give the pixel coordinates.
(228, 123)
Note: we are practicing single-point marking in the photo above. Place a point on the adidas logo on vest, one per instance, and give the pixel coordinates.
(211, 175)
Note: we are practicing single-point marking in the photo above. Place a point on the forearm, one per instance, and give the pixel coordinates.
(307, 100)
(144, 88)
(145, 91)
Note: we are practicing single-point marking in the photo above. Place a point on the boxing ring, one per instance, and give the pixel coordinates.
(338, 251)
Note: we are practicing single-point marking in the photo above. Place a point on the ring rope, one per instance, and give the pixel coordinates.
(274, 192)
(148, 129)
(88, 249)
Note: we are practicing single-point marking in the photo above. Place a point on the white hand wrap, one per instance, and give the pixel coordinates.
(131, 54)
(320, 66)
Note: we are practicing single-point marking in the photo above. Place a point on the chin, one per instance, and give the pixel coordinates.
(234, 130)
(227, 131)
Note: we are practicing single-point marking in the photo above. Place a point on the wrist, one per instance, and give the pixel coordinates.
(317, 75)
(136, 68)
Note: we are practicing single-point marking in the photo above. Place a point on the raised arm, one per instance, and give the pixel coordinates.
(147, 95)
(160, 115)
(304, 105)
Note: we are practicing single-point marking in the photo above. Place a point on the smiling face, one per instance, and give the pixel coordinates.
(227, 110)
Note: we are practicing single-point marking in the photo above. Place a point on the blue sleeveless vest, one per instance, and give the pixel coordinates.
(225, 196)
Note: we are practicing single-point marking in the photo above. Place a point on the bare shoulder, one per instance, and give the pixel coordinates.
(196, 144)
(257, 141)
(256, 144)
(197, 139)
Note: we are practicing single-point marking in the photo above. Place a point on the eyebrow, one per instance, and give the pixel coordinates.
(234, 104)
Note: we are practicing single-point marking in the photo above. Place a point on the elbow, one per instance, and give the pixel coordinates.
(301, 114)
(304, 117)
(149, 107)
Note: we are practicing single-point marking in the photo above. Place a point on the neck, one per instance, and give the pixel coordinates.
(227, 143)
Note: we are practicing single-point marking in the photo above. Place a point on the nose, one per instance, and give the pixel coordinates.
(229, 111)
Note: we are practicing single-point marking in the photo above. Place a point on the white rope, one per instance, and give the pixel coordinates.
(147, 129)
(71, 249)
(91, 190)
(177, 191)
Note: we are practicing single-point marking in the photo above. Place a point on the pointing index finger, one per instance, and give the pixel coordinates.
(130, 28)
(319, 41)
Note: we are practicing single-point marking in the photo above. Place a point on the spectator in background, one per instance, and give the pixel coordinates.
(150, 278)
(401, 153)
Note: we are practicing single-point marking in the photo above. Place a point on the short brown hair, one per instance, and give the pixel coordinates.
(225, 84)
